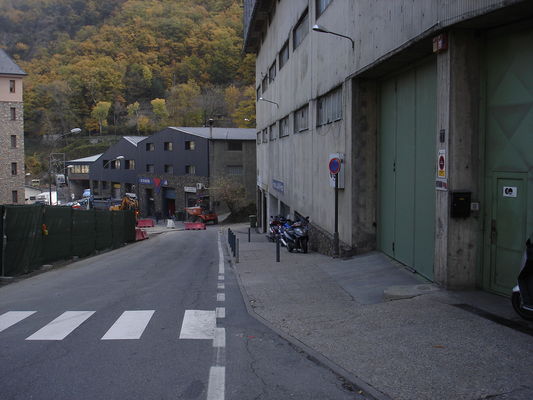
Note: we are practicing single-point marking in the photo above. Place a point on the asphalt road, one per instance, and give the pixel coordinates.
(158, 319)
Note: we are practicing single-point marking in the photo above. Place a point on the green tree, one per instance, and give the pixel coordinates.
(134, 113)
(159, 108)
(100, 113)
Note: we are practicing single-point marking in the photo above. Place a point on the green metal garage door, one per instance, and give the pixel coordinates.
(406, 228)
(508, 156)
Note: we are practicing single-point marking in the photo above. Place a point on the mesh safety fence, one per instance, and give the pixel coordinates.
(31, 235)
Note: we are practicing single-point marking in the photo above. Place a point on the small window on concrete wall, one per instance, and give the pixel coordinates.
(190, 170)
(150, 147)
(301, 30)
(168, 146)
(284, 55)
(321, 6)
(234, 145)
(329, 107)
(150, 168)
(169, 169)
(14, 168)
(13, 141)
(190, 145)
(235, 169)
(272, 131)
(284, 127)
(13, 113)
(265, 135)
(14, 196)
(258, 137)
(12, 87)
(301, 119)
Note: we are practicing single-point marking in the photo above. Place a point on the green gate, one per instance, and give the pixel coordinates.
(406, 216)
(508, 156)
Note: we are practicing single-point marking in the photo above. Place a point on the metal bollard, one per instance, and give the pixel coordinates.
(249, 229)
(237, 251)
(277, 250)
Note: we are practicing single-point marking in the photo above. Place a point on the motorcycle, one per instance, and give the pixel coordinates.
(274, 228)
(295, 235)
(522, 297)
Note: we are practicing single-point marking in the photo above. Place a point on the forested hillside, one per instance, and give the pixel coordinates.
(129, 66)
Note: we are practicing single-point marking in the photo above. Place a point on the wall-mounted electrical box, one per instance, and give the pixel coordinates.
(460, 204)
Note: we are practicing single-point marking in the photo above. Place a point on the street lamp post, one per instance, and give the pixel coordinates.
(105, 165)
(321, 29)
(53, 159)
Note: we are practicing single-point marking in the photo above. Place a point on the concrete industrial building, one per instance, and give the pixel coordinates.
(431, 105)
(11, 132)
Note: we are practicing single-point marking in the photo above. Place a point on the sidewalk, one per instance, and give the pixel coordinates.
(424, 343)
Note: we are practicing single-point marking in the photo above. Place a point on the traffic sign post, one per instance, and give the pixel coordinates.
(334, 167)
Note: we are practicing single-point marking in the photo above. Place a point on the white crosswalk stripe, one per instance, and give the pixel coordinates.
(130, 325)
(12, 317)
(198, 324)
(62, 326)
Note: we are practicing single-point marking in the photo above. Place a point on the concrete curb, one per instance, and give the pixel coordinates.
(312, 354)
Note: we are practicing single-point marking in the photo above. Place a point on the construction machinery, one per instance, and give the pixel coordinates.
(128, 202)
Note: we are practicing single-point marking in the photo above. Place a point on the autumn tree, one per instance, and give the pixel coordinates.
(159, 108)
(100, 113)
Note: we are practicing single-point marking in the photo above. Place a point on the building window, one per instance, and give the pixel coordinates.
(284, 127)
(169, 169)
(265, 137)
(258, 137)
(13, 113)
(264, 84)
(104, 185)
(329, 107)
(190, 170)
(235, 170)
(321, 6)
(115, 164)
(14, 196)
(150, 147)
(168, 146)
(234, 145)
(13, 141)
(13, 168)
(105, 163)
(129, 164)
(190, 145)
(301, 119)
(272, 134)
(150, 168)
(272, 72)
(79, 169)
(12, 86)
(284, 55)
(301, 30)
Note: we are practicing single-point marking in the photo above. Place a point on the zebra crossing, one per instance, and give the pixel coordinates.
(130, 325)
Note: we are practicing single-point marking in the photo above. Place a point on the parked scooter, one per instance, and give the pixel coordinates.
(295, 235)
(274, 228)
(522, 297)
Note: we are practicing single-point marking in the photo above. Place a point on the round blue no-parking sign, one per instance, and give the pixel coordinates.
(334, 165)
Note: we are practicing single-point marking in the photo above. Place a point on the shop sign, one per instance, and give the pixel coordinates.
(278, 186)
(189, 189)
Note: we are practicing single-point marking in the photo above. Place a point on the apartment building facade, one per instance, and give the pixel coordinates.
(430, 107)
(11, 131)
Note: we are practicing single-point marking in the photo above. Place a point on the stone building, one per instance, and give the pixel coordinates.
(429, 105)
(11, 132)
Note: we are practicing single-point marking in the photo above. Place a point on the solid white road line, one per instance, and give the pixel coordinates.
(220, 257)
(220, 338)
(12, 317)
(130, 325)
(62, 326)
(221, 286)
(216, 386)
(221, 277)
(221, 312)
(221, 297)
(198, 324)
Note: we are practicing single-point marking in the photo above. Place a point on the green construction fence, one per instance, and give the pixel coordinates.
(33, 235)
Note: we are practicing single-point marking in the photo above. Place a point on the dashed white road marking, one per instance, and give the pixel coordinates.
(198, 324)
(221, 297)
(220, 337)
(221, 277)
(130, 325)
(10, 318)
(216, 386)
(220, 258)
(62, 326)
(221, 312)
(221, 286)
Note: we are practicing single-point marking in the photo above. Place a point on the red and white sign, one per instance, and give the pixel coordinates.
(334, 165)
(441, 164)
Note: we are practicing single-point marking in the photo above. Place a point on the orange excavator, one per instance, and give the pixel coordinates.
(129, 202)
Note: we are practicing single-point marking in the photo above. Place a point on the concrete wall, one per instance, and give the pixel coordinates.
(5, 94)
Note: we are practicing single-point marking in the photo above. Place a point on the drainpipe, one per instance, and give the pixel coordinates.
(4, 243)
